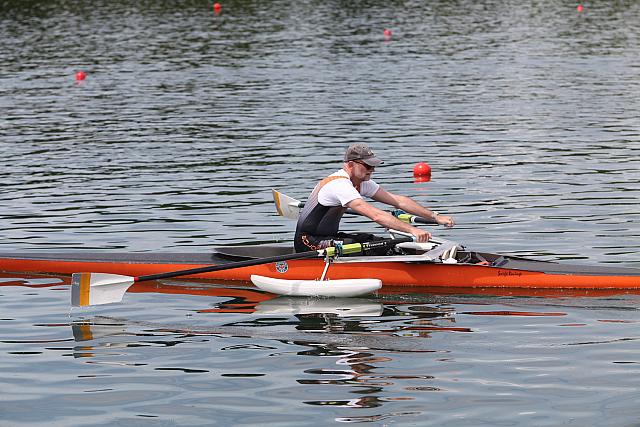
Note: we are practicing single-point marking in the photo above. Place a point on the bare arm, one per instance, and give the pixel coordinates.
(407, 204)
(387, 220)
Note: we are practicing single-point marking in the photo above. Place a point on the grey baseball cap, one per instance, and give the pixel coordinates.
(363, 153)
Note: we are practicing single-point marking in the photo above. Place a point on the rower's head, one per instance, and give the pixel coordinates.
(360, 161)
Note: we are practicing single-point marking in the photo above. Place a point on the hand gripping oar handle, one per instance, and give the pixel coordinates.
(352, 248)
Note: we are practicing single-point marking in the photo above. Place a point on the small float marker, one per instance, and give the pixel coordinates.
(80, 76)
(217, 8)
(580, 8)
(421, 172)
(421, 169)
(387, 33)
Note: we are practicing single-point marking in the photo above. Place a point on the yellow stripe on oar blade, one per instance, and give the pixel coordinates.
(286, 206)
(85, 288)
(98, 288)
(80, 289)
(276, 199)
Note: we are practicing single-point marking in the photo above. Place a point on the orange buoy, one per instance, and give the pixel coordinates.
(421, 169)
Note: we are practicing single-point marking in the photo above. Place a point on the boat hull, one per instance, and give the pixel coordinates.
(510, 272)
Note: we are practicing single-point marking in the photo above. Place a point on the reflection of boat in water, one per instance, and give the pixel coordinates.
(314, 331)
(338, 306)
(31, 281)
(238, 299)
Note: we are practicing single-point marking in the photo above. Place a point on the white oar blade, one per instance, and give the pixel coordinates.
(98, 288)
(317, 288)
(286, 206)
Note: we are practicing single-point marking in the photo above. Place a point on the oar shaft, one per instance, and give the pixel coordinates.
(228, 266)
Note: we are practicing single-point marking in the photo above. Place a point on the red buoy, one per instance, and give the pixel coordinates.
(217, 7)
(80, 75)
(421, 169)
(580, 8)
(387, 33)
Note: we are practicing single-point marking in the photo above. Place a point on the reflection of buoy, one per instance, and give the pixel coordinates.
(387, 33)
(80, 75)
(421, 169)
(217, 7)
(580, 8)
(422, 178)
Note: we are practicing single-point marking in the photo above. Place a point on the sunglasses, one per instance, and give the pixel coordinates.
(368, 167)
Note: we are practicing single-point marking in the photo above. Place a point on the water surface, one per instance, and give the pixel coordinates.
(527, 114)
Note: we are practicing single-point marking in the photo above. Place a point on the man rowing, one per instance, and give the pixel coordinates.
(318, 225)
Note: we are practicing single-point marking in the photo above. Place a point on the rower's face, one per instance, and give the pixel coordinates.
(362, 170)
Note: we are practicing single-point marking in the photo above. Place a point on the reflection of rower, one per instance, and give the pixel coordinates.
(354, 369)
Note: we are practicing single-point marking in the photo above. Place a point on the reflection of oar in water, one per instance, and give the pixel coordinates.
(343, 307)
(289, 207)
(86, 331)
(102, 288)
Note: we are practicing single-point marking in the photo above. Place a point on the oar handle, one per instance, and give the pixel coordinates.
(352, 248)
(412, 219)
